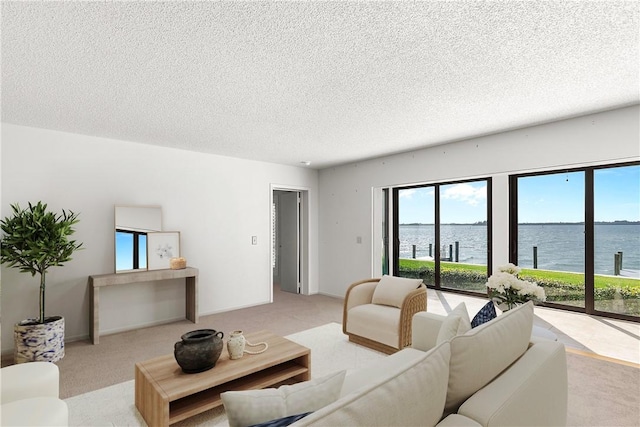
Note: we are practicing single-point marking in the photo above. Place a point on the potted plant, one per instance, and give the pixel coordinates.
(34, 240)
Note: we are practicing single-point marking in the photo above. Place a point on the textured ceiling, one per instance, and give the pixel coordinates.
(327, 82)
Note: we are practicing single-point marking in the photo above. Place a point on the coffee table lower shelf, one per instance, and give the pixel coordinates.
(208, 399)
(164, 395)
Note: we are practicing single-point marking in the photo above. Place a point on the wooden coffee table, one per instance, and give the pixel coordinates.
(166, 395)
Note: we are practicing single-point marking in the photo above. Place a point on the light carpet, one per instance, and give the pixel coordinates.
(114, 406)
(601, 392)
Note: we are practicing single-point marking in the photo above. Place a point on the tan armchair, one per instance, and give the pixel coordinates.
(378, 312)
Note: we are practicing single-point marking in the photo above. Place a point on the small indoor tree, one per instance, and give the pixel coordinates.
(35, 239)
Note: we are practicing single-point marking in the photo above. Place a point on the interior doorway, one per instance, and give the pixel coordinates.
(289, 239)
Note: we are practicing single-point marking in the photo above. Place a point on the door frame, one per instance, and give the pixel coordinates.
(303, 238)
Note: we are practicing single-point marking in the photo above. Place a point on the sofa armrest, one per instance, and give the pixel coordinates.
(29, 380)
(424, 330)
(455, 420)
(414, 302)
(358, 293)
(532, 391)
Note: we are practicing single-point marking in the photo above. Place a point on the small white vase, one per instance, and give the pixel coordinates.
(235, 345)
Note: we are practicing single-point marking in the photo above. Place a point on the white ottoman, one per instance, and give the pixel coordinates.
(37, 411)
(27, 380)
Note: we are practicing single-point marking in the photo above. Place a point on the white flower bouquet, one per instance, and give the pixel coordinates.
(505, 288)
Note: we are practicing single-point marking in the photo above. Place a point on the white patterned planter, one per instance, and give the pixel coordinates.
(42, 342)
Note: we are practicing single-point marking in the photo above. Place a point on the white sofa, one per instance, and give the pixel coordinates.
(492, 375)
(29, 395)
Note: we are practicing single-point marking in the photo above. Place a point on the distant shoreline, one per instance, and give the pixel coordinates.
(536, 223)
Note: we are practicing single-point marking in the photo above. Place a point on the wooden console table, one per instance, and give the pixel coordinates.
(190, 275)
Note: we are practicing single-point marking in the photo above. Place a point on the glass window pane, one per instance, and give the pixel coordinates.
(551, 249)
(385, 231)
(463, 236)
(416, 219)
(617, 240)
(124, 251)
(142, 251)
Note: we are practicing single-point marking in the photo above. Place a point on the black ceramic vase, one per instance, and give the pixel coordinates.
(199, 350)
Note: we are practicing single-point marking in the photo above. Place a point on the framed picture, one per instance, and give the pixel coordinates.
(161, 247)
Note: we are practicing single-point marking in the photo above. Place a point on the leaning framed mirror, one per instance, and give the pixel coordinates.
(132, 223)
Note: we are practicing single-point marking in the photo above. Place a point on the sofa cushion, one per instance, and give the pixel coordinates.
(392, 290)
(35, 411)
(538, 379)
(456, 323)
(414, 395)
(478, 356)
(485, 314)
(380, 369)
(245, 408)
(380, 323)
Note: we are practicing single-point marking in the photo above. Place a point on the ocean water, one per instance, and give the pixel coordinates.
(560, 246)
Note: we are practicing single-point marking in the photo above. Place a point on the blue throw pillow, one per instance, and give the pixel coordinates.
(485, 314)
(282, 422)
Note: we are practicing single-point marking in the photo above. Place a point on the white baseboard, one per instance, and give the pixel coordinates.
(326, 294)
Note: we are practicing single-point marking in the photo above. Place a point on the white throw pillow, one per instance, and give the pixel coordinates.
(245, 408)
(478, 356)
(392, 290)
(456, 323)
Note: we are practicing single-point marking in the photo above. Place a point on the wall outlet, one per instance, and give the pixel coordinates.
(359, 239)
(254, 240)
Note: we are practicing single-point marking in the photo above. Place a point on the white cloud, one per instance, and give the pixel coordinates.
(466, 193)
(421, 192)
(407, 193)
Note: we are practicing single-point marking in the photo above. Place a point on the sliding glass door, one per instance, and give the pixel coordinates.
(443, 234)
(551, 234)
(577, 234)
(616, 236)
(464, 236)
(416, 231)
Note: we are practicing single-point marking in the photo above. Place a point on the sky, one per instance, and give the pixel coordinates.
(124, 251)
(459, 203)
(557, 197)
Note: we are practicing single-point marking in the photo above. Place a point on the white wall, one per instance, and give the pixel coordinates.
(345, 199)
(217, 203)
